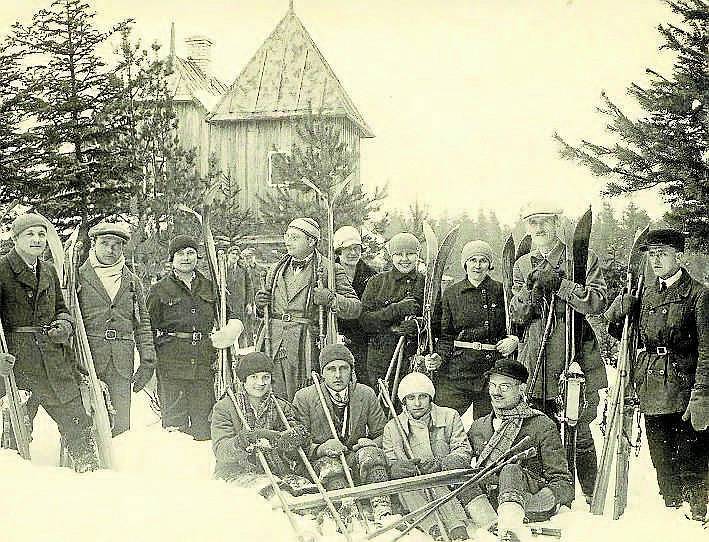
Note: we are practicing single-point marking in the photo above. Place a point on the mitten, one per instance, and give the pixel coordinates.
(427, 466)
(142, 376)
(7, 362)
(403, 468)
(60, 331)
(323, 296)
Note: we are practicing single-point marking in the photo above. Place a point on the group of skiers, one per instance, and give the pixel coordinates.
(308, 412)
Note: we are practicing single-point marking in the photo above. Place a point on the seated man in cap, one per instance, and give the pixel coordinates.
(358, 419)
(671, 371)
(182, 309)
(116, 318)
(473, 334)
(235, 446)
(437, 439)
(391, 301)
(534, 487)
(348, 252)
(38, 328)
(294, 296)
(539, 278)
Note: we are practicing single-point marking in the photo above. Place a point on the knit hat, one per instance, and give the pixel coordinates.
(403, 242)
(333, 352)
(22, 222)
(475, 248)
(252, 363)
(511, 368)
(540, 208)
(415, 383)
(181, 241)
(665, 236)
(308, 226)
(116, 229)
(346, 236)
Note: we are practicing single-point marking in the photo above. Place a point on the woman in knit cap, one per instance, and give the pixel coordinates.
(235, 446)
(389, 299)
(182, 307)
(473, 333)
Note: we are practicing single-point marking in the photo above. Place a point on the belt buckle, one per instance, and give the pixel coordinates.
(477, 345)
(287, 317)
(196, 336)
(661, 350)
(110, 335)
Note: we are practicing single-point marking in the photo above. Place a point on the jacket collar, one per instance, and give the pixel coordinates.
(467, 285)
(555, 256)
(678, 291)
(25, 275)
(88, 272)
(438, 418)
(399, 276)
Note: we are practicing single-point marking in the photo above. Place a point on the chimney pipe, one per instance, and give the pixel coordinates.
(200, 52)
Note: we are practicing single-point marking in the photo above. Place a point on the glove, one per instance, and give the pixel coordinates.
(250, 440)
(331, 448)
(622, 305)
(427, 466)
(323, 296)
(262, 298)
(403, 468)
(7, 362)
(406, 307)
(507, 345)
(433, 362)
(698, 409)
(363, 443)
(142, 376)
(291, 439)
(549, 280)
(60, 331)
(408, 328)
(227, 336)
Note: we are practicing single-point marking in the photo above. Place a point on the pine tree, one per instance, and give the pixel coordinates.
(667, 146)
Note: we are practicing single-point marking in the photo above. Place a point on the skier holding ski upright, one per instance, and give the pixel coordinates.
(540, 285)
(671, 371)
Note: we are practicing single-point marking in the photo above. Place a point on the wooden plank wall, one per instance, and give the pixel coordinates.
(193, 131)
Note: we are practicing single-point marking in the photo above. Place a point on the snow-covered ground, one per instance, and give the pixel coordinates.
(161, 491)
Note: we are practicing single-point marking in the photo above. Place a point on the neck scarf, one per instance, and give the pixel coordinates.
(502, 439)
(420, 436)
(109, 275)
(341, 402)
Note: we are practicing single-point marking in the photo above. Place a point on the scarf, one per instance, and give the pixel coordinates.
(109, 275)
(502, 439)
(341, 416)
(420, 436)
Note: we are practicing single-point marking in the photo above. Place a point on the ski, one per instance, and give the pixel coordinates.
(99, 411)
(509, 257)
(525, 247)
(19, 421)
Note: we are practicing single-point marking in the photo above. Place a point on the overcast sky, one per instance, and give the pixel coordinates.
(463, 95)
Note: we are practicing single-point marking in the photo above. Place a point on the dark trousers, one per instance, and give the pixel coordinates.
(359, 351)
(119, 391)
(586, 458)
(456, 394)
(679, 455)
(187, 405)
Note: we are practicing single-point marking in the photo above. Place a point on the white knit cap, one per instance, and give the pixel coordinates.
(415, 383)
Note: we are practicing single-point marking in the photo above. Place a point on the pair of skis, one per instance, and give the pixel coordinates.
(622, 406)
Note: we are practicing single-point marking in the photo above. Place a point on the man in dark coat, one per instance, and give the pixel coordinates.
(671, 371)
(539, 278)
(348, 251)
(116, 319)
(38, 327)
(536, 486)
(182, 309)
(473, 334)
(241, 293)
(389, 299)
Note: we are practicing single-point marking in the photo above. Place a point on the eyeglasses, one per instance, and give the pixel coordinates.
(503, 387)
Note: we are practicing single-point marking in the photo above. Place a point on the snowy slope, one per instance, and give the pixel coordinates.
(161, 490)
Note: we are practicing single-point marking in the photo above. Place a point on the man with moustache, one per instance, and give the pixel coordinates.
(182, 309)
(671, 371)
(116, 319)
(295, 297)
(38, 328)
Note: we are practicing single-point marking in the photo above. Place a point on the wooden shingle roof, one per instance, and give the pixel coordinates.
(287, 77)
(188, 83)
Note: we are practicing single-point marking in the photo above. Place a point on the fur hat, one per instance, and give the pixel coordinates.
(180, 242)
(508, 367)
(333, 352)
(415, 383)
(22, 222)
(403, 242)
(308, 226)
(666, 236)
(252, 363)
(476, 248)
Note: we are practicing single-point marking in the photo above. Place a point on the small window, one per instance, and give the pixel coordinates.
(276, 167)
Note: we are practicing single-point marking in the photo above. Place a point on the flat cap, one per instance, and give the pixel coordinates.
(540, 208)
(664, 236)
(116, 229)
(509, 367)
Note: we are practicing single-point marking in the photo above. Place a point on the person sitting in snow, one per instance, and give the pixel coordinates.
(358, 419)
(235, 447)
(437, 439)
(536, 486)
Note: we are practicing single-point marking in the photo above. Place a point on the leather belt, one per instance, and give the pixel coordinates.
(658, 350)
(194, 336)
(474, 345)
(112, 335)
(291, 318)
(30, 329)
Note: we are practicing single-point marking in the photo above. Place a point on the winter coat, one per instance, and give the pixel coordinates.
(352, 329)
(26, 301)
(175, 308)
(115, 328)
(446, 434)
(240, 290)
(366, 418)
(479, 313)
(677, 320)
(231, 459)
(548, 468)
(590, 298)
(382, 290)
